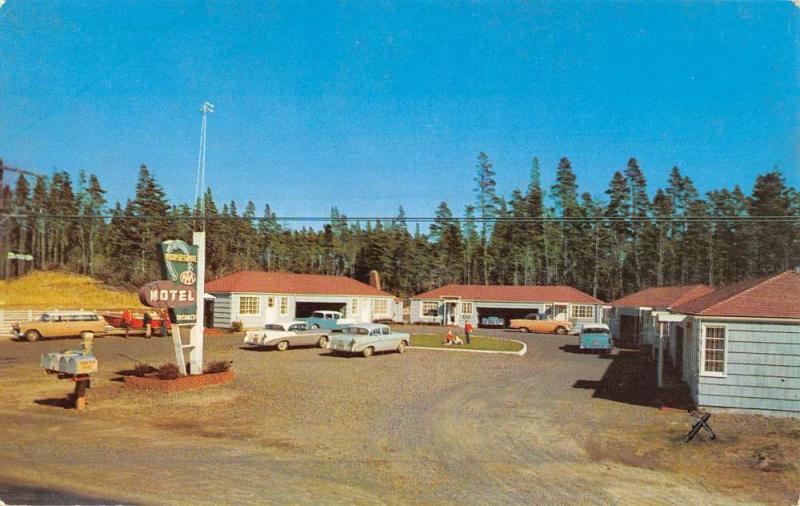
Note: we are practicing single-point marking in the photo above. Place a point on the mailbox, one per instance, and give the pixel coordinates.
(73, 362)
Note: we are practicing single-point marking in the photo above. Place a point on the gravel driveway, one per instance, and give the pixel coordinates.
(304, 426)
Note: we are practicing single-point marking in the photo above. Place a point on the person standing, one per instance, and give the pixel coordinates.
(148, 320)
(164, 320)
(126, 321)
(468, 330)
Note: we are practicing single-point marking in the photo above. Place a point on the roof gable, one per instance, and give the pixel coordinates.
(289, 283)
(663, 296)
(509, 293)
(774, 296)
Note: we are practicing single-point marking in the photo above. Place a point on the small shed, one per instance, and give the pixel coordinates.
(255, 298)
(740, 346)
(457, 304)
(633, 318)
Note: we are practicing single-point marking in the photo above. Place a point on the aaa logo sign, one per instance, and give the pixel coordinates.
(179, 290)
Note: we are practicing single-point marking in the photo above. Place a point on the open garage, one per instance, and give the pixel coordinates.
(505, 312)
(305, 309)
(457, 304)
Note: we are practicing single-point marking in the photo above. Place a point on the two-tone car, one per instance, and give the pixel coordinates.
(61, 324)
(368, 338)
(538, 322)
(328, 320)
(286, 334)
(597, 337)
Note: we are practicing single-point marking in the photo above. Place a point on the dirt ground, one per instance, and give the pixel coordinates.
(303, 426)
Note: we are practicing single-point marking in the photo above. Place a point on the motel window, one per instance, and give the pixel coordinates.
(270, 302)
(430, 308)
(380, 306)
(714, 351)
(248, 305)
(582, 311)
(284, 305)
(466, 308)
(354, 306)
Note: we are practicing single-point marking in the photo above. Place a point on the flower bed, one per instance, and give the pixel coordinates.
(153, 383)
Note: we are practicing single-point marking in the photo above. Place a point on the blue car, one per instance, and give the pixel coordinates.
(597, 337)
(493, 321)
(328, 320)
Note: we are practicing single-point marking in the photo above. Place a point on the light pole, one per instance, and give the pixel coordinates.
(199, 240)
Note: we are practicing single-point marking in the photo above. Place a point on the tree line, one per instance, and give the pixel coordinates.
(606, 245)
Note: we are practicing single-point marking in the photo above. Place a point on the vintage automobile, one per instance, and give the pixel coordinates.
(539, 322)
(329, 320)
(61, 324)
(283, 335)
(368, 338)
(596, 336)
(493, 321)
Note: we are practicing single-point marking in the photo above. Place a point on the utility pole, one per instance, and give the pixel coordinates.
(199, 240)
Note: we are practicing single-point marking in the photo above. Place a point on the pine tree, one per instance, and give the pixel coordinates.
(565, 195)
(770, 197)
(486, 206)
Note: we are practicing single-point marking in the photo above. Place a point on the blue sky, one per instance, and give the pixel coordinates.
(372, 105)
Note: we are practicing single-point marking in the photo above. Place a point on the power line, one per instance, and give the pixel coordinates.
(417, 219)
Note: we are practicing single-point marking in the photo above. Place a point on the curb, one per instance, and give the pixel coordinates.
(519, 353)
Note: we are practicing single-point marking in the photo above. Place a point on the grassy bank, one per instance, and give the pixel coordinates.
(60, 290)
(478, 343)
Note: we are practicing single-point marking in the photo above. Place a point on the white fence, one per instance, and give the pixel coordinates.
(9, 316)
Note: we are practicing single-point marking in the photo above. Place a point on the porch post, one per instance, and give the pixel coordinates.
(660, 354)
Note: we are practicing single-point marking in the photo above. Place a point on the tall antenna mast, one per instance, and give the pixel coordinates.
(200, 184)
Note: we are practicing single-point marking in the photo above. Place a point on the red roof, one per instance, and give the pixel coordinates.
(774, 296)
(663, 296)
(507, 293)
(289, 282)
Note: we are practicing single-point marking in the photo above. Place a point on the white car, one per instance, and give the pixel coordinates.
(283, 335)
(368, 338)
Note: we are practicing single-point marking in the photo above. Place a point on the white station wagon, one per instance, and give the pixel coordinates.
(367, 338)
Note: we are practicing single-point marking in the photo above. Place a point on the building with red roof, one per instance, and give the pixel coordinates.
(457, 304)
(255, 298)
(738, 348)
(632, 318)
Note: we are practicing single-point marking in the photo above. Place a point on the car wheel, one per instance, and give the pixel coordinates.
(524, 329)
(314, 327)
(283, 345)
(401, 348)
(323, 342)
(368, 351)
(32, 335)
(561, 331)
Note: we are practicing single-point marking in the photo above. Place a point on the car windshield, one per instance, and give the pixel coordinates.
(357, 330)
(272, 326)
(317, 314)
(45, 318)
(595, 330)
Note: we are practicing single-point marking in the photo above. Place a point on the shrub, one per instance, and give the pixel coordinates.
(236, 326)
(143, 368)
(218, 366)
(168, 371)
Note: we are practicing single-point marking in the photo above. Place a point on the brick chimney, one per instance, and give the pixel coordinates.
(375, 279)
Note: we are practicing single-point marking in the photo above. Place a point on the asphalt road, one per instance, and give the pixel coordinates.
(303, 426)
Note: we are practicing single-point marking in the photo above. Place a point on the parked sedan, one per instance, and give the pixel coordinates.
(368, 338)
(596, 336)
(283, 335)
(493, 321)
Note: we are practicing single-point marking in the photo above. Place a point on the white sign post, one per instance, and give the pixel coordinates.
(196, 335)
